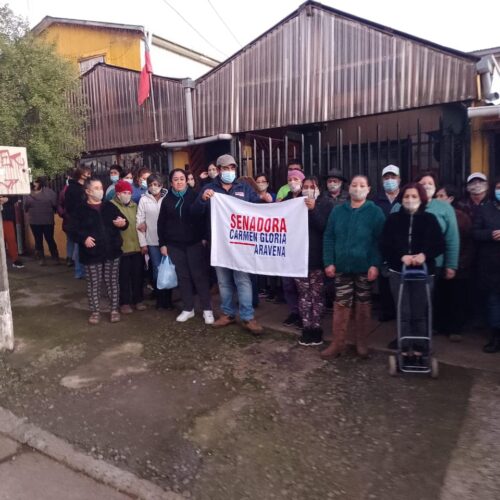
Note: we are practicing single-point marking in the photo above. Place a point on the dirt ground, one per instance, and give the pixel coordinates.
(222, 415)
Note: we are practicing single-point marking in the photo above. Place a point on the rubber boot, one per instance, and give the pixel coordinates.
(340, 320)
(362, 317)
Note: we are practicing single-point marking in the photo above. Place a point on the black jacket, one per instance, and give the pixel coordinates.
(317, 224)
(8, 209)
(176, 227)
(384, 203)
(327, 203)
(486, 221)
(86, 221)
(406, 234)
(74, 197)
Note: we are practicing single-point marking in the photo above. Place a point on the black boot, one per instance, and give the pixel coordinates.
(316, 336)
(306, 338)
(494, 344)
(164, 299)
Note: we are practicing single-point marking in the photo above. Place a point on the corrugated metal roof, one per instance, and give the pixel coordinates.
(114, 118)
(320, 64)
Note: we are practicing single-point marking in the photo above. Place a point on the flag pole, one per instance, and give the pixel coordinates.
(152, 92)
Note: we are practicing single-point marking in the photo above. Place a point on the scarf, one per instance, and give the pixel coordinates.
(180, 202)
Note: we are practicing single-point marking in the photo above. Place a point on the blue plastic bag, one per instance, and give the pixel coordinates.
(167, 277)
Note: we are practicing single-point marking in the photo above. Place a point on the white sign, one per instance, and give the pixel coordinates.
(260, 238)
(14, 171)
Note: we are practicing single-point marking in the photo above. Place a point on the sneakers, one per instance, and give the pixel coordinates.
(311, 337)
(223, 321)
(126, 309)
(115, 317)
(94, 318)
(252, 326)
(305, 338)
(140, 306)
(184, 316)
(208, 316)
(69, 262)
(291, 320)
(18, 264)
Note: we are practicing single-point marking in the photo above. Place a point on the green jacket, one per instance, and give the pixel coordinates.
(351, 238)
(129, 236)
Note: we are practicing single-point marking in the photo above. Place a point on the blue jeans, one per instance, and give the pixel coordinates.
(228, 280)
(494, 309)
(70, 248)
(79, 267)
(154, 259)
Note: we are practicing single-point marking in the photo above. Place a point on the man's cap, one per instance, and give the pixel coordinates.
(390, 169)
(477, 175)
(335, 172)
(225, 161)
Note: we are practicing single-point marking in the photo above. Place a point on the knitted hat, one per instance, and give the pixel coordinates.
(122, 186)
(296, 173)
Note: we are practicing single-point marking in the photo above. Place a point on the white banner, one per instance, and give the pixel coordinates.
(260, 238)
(14, 171)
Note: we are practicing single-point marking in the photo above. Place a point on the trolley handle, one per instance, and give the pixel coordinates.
(410, 273)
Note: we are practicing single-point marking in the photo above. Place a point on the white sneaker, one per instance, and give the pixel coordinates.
(208, 316)
(184, 316)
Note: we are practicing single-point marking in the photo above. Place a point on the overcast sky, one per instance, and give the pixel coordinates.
(450, 23)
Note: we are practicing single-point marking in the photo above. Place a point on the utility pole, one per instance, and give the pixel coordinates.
(6, 324)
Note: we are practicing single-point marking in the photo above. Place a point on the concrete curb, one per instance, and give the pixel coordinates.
(60, 450)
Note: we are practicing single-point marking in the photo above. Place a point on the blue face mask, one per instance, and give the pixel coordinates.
(390, 185)
(144, 184)
(228, 177)
(497, 194)
(114, 178)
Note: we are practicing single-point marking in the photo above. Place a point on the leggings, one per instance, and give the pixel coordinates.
(94, 273)
(310, 298)
(46, 231)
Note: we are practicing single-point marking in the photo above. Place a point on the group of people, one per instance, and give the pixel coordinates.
(355, 240)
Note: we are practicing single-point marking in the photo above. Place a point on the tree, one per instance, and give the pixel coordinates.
(36, 87)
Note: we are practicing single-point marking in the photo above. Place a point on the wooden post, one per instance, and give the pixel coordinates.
(6, 324)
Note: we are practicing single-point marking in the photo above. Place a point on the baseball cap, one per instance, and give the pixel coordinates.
(477, 175)
(225, 161)
(390, 169)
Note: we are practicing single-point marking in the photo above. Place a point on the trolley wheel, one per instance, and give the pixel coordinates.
(393, 365)
(434, 368)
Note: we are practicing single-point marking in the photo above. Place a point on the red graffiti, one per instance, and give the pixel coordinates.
(11, 167)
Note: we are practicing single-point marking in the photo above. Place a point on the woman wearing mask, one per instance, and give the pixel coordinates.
(96, 228)
(140, 184)
(114, 176)
(40, 206)
(191, 181)
(148, 211)
(310, 289)
(131, 261)
(453, 296)
(351, 256)
(295, 179)
(262, 183)
(210, 175)
(180, 237)
(412, 237)
(486, 231)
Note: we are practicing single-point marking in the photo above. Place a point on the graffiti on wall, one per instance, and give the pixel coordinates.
(14, 171)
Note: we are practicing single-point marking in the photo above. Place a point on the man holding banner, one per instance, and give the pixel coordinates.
(232, 274)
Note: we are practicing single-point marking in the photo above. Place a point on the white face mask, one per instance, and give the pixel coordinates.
(97, 194)
(359, 193)
(130, 181)
(154, 190)
(125, 198)
(334, 187)
(262, 186)
(477, 187)
(411, 205)
(310, 193)
(294, 186)
(430, 189)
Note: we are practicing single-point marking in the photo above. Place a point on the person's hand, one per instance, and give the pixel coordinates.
(372, 273)
(418, 259)
(119, 222)
(207, 194)
(310, 203)
(3, 199)
(144, 250)
(266, 197)
(142, 227)
(407, 260)
(449, 274)
(330, 271)
(203, 175)
(89, 242)
(163, 251)
(496, 235)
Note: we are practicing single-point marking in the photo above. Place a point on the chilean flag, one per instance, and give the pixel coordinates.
(145, 77)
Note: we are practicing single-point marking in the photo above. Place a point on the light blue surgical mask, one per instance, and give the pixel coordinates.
(228, 177)
(390, 185)
(114, 178)
(144, 184)
(497, 194)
